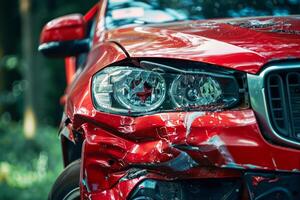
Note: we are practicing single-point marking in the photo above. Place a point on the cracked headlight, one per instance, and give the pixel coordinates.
(126, 89)
(195, 90)
(131, 90)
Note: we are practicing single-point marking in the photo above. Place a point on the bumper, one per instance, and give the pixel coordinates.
(252, 186)
(119, 152)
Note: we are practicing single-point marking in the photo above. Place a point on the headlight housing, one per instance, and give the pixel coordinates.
(136, 91)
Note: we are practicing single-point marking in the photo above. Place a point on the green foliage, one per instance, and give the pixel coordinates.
(28, 168)
(48, 75)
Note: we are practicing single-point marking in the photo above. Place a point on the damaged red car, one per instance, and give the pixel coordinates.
(164, 106)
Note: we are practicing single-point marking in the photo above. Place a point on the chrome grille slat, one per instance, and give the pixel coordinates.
(275, 98)
(292, 79)
(288, 94)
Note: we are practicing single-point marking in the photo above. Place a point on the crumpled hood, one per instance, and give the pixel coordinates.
(245, 44)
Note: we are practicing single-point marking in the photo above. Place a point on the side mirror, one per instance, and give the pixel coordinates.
(64, 37)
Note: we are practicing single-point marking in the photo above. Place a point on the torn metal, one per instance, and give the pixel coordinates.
(168, 146)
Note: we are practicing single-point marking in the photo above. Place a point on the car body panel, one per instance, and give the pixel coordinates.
(176, 145)
(121, 151)
(242, 44)
(66, 28)
(186, 145)
(79, 98)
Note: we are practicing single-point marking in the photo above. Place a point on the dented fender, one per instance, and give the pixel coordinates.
(178, 145)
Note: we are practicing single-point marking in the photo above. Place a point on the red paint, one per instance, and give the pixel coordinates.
(221, 42)
(70, 68)
(91, 13)
(214, 144)
(119, 143)
(67, 28)
(256, 180)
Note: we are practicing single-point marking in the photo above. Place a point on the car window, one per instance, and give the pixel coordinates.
(128, 12)
(122, 13)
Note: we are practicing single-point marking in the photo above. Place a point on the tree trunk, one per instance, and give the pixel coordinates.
(27, 60)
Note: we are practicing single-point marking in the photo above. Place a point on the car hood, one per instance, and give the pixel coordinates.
(244, 44)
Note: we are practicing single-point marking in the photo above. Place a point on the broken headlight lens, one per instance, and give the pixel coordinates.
(195, 90)
(126, 89)
(130, 90)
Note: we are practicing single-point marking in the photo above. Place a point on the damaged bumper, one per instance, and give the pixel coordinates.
(181, 150)
(251, 186)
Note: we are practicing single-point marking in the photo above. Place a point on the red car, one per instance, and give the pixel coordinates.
(166, 108)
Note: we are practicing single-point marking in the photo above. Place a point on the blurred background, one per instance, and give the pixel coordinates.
(31, 86)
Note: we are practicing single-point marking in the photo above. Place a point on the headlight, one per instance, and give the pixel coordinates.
(195, 90)
(131, 90)
(126, 89)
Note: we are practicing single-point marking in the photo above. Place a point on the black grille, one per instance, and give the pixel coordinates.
(283, 96)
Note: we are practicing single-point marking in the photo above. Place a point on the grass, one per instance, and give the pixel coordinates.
(28, 168)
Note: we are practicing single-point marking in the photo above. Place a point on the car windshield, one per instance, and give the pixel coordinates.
(128, 12)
